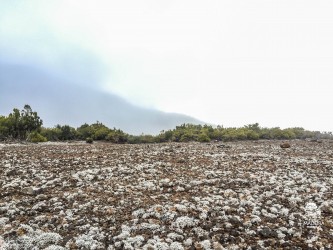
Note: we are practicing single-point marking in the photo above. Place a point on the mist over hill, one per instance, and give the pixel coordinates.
(60, 101)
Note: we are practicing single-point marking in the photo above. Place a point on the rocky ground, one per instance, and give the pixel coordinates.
(239, 195)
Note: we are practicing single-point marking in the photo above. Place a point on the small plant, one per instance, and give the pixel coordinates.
(89, 140)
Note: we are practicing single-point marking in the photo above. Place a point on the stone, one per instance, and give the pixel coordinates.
(285, 145)
(11, 172)
(235, 221)
(31, 191)
(250, 197)
(28, 191)
(223, 146)
(267, 233)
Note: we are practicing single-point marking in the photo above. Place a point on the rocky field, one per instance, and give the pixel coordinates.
(239, 195)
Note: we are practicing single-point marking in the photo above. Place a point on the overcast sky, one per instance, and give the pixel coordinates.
(224, 62)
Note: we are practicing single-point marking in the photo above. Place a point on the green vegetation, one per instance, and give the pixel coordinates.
(36, 137)
(27, 125)
(20, 124)
(89, 140)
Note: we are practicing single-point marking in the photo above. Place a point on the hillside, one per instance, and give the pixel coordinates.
(60, 101)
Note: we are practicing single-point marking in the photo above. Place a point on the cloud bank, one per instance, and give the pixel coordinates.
(229, 63)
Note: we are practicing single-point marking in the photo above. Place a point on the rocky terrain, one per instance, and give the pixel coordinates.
(239, 195)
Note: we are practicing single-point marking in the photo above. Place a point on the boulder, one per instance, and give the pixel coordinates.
(31, 191)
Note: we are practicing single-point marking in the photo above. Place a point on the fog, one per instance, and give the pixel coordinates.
(230, 63)
(58, 101)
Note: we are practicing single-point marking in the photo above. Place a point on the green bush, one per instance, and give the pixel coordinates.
(116, 136)
(66, 132)
(147, 138)
(252, 135)
(27, 125)
(89, 140)
(19, 124)
(101, 133)
(36, 137)
(188, 136)
(51, 134)
(133, 139)
(85, 131)
(203, 137)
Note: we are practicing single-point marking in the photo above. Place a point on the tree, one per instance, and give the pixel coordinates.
(188, 136)
(254, 127)
(4, 130)
(21, 124)
(252, 135)
(14, 123)
(52, 134)
(30, 120)
(101, 133)
(67, 132)
(85, 131)
(117, 136)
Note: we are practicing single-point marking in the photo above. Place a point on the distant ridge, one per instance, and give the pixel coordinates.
(59, 101)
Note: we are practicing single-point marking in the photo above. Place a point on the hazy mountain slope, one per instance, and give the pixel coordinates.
(58, 101)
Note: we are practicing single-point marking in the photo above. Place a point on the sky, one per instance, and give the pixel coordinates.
(224, 62)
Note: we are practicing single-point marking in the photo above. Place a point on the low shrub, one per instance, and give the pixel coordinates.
(89, 140)
(203, 137)
(36, 137)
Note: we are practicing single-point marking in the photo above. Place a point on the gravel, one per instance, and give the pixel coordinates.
(237, 195)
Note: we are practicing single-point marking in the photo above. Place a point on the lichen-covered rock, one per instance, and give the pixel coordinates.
(59, 196)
